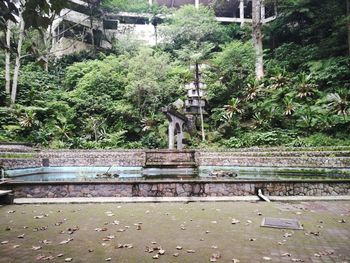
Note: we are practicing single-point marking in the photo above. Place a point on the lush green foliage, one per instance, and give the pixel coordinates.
(127, 5)
(113, 98)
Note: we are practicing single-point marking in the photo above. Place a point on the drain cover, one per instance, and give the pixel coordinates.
(281, 223)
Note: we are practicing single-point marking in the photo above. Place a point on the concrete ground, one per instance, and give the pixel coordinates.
(194, 232)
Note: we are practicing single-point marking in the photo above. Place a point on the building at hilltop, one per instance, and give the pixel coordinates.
(78, 28)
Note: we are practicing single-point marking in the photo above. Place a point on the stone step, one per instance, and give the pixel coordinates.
(170, 165)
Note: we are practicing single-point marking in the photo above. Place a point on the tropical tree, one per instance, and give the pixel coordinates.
(34, 14)
(305, 85)
(232, 108)
(339, 102)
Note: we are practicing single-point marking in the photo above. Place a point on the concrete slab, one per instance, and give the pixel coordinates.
(72, 200)
(194, 232)
(5, 192)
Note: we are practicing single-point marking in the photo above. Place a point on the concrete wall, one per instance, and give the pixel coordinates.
(179, 188)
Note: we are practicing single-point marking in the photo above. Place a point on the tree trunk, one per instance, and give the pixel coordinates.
(92, 27)
(7, 59)
(47, 37)
(348, 23)
(156, 34)
(199, 101)
(257, 38)
(18, 59)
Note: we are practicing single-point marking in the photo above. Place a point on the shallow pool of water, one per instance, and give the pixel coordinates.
(48, 174)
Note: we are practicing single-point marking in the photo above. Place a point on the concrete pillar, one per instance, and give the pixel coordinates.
(241, 12)
(262, 12)
(196, 4)
(171, 134)
(179, 139)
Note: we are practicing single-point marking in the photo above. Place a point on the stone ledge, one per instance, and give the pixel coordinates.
(82, 200)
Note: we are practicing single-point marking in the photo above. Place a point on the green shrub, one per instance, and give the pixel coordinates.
(320, 139)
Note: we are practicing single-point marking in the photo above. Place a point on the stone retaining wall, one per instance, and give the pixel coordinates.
(338, 159)
(94, 158)
(178, 188)
(123, 158)
(230, 159)
(18, 163)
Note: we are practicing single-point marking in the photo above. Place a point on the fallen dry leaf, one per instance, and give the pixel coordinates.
(314, 233)
(234, 221)
(40, 216)
(60, 255)
(4, 242)
(190, 251)
(286, 255)
(41, 228)
(98, 229)
(287, 234)
(215, 257)
(40, 257)
(36, 247)
(66, 241)
(297, 260)
(21, 236)
(71, 230)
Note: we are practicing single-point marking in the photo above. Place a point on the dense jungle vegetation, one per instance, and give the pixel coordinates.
(112, 98)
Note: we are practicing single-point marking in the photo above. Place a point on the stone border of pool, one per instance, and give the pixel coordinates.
(133, 158)
(178, 188)
(88, 200)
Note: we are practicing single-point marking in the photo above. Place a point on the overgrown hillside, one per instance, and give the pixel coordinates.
(112, 98)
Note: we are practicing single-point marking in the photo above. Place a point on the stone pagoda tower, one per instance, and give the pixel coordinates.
(196, 104)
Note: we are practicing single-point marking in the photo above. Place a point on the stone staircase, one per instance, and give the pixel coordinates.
(170, 162)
